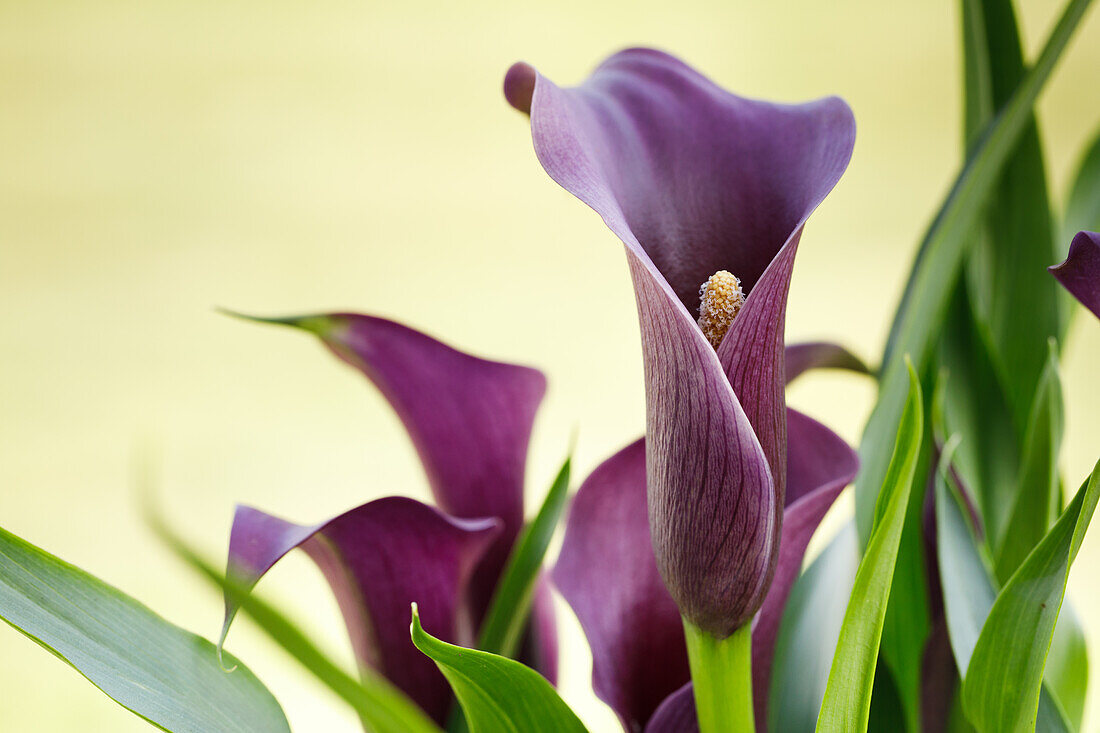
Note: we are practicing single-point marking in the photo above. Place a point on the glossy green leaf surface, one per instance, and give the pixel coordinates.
(1067, 673)
(976, 408)
(164, 674)
(497, 694)
(808, 634)
(907, 624)
(507, 616)
(847, 701)
(887, 715)
(1038, 489)
(919, 319)
(382, 707)
(965, 574)
(969, 591)
(1003, 681)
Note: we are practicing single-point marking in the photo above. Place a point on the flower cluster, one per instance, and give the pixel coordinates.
(683, 553)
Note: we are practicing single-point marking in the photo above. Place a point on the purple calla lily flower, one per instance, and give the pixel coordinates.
(1080, 273)
(470, 420)
(709, 192)
(611, 580)
(379, 558)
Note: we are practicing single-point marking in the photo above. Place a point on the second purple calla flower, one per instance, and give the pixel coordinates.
(1080, 273)
(470, 420)
(698, 182)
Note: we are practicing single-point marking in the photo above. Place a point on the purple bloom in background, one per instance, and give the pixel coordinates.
(1080, 273)
(709, 192)
(632, 623)
(470, 420)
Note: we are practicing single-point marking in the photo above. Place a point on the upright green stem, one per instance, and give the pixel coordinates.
(721, 673)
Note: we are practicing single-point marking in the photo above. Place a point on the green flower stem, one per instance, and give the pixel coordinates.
(721, 673)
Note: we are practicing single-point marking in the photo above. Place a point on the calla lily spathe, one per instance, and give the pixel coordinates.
(470, 420)
(610, 579)
(1080, 273)
(695, 180)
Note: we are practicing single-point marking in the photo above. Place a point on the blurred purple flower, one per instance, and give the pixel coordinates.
(1080, 273)
(470, 420)
(705, 189)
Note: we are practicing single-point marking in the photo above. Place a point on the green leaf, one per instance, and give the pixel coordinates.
(1038, 490)
(381, 706)
(918, 323)
(496, 693)
(1067, 673)
(1003, 682)
(1051, 718)
(1083, 208)
(164, 674)
(886, 714)
(975, 407)
(1016, 242)
(847, 700)
(507, 616)
(808, 634)
(907, 624)
(969, 591)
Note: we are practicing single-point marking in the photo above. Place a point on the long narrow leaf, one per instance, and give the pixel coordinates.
(919, 319)
(908, 624)
(1016, 241)
(847, 702)
(164, 674)
(1004, 680)
(969, 591)
(1067, 673)
(808, 634)
(965, 575)
(497, 694)
(507, 616)
(1038, 490)
(976, 407)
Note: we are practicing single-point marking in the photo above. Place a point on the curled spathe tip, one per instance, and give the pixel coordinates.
(519, 86)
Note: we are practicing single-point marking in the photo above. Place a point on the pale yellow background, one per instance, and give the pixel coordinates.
(160, 158)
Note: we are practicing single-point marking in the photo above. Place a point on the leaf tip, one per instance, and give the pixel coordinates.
(319, 325)
(414, 626)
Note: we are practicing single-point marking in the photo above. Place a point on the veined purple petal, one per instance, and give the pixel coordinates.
(610, 578)
(712, 498)
(699, 179)
(819, 465)
(379, 558)
(752, 357)
(608, 574)
(469, 418)
(1080, 273)
(694, 180)
(803, 357)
